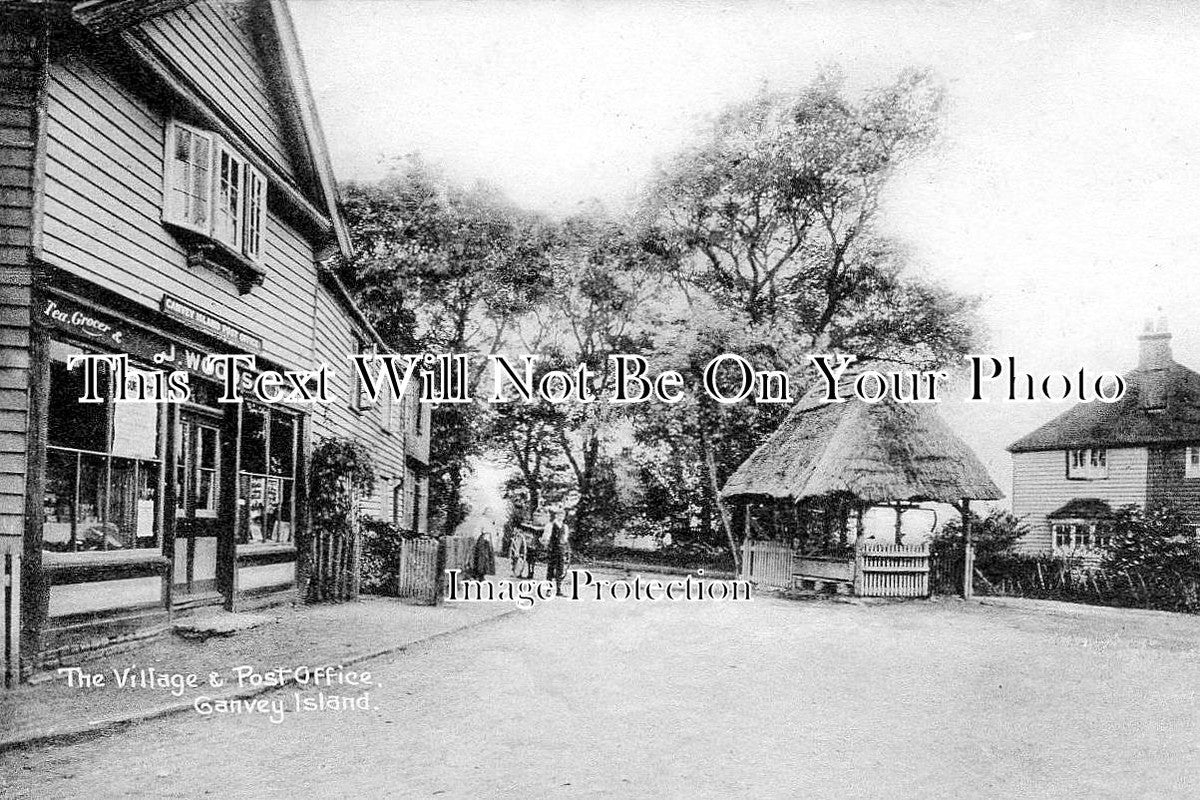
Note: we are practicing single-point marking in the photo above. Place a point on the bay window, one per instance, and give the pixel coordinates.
(211, 190)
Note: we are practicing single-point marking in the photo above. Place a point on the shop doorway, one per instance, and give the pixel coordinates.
(197, 507)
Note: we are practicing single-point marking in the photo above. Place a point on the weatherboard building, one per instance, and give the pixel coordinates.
(165, 193)
(1071, 474)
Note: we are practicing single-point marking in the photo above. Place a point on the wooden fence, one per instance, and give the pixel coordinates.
(768, 563)
(417, 577)
(10, 610)
(891, 571)
(883, 571)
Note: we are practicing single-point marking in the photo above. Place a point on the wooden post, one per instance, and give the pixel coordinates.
(968, 586)
(859, 536)
(899, 524)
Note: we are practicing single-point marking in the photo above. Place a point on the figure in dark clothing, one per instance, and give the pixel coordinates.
(483, 559)
(558, 551)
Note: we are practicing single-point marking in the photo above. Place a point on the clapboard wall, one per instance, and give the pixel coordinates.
(103, 211)
(1041, 486)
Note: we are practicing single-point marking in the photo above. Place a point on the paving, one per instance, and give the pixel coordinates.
(769, 698)
(138, 684)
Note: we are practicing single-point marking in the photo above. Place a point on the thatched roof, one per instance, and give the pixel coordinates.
(880, 453)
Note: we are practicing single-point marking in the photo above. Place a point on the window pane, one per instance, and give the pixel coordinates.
(58, 502)
(252, 502)
(283, 434)
(92, 532)
(135, 430)
(199, 184)
(71, 423)
(132, 500)
(254, 438)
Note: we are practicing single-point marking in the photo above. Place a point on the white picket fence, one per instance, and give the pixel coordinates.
(879, 571)
(892, 571)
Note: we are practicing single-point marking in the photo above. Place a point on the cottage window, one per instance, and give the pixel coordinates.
(103, 465)
(1087, 464)
(1191, 463)
(210, 189)
(1085, 536)
(267, 476)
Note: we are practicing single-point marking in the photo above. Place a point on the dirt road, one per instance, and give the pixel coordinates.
(762, 699)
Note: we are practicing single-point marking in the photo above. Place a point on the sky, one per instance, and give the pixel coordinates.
(1063, 192)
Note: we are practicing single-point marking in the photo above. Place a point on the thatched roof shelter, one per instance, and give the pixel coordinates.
(880, 453)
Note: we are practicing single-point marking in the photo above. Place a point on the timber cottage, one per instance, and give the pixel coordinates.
(165, 192)
(1071, 473)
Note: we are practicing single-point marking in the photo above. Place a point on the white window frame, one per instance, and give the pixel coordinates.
(1087, 463)
(254, 222)
(171, 211)
(245, 230)
(1082, 536)
(227, 224)
(1191, 461)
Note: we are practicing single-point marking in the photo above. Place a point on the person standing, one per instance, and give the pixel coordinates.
(558, 551)
(518, 553)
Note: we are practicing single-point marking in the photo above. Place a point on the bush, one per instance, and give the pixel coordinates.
(1158, 540)
(381, 542)
(992, 535)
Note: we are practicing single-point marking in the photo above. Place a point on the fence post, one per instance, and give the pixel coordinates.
(968, 587)
(10, 612)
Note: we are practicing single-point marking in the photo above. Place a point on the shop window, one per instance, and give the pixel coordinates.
(267, 479)
(1087, 464)
(103, 465)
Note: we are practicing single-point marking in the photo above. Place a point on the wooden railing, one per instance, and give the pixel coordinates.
(10, 610)
(891, 571)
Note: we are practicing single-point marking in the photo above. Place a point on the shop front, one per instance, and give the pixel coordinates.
(149, 508)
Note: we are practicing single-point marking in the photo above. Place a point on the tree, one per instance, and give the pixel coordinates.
(775, 211)
(442, 268)
(605, 303)
(770, 227)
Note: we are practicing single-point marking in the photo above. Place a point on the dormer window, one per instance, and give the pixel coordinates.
(212, 191)
(1087, 464)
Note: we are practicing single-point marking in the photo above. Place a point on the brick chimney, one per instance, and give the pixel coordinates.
(1154, 361)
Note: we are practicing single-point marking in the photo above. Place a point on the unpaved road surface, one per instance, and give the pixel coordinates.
(763, 699)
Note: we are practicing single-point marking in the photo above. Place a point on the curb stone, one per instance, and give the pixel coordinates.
(107, 724)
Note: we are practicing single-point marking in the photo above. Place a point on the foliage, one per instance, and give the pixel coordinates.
(341, 473)
(444, 268)
(692, 556)
(1159, 539)
(995, 534)
(774, 213)
(380, 566)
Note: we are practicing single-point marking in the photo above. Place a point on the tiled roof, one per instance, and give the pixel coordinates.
(1125, 423)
